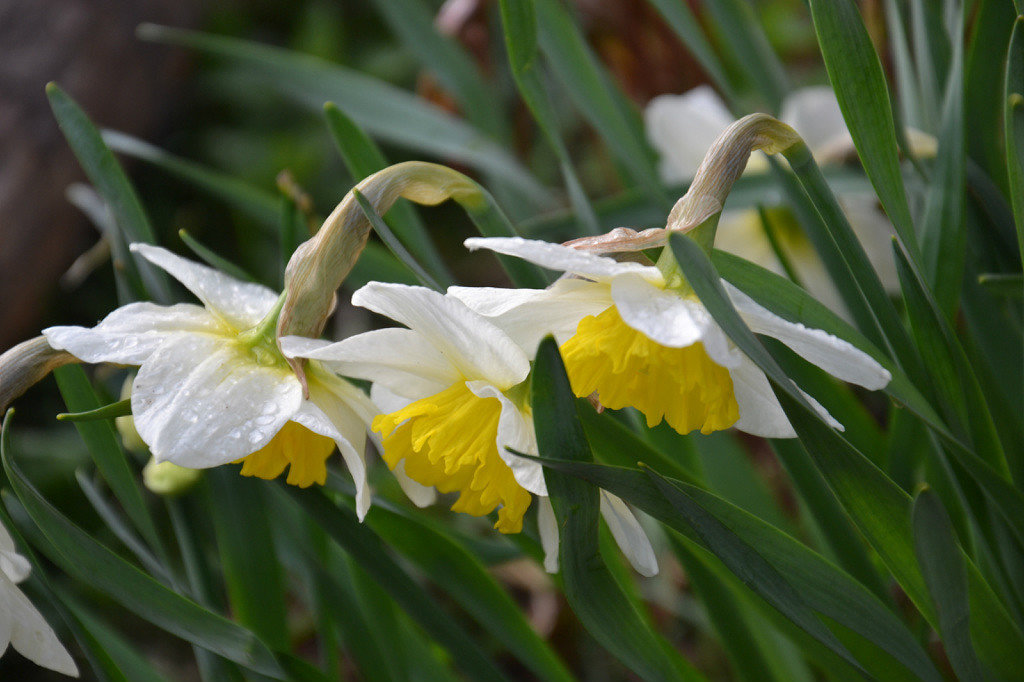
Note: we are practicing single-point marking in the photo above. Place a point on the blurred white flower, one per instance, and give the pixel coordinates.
(21, 624)
(213, 388)
(454, 395)
(628, 338)
(682, 128)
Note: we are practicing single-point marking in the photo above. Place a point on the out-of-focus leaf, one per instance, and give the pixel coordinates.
(366, 547)
(943, 228)
(107, 176)
(383, 110)
(1010, 286)
(519, 22)
(680, 17)
(253, 576)
(1014, 118)
(746, 39)
(985, 93)
(859, 83)
(461, 575)
(211, 258)
(411, 20)
(943, 568)
(95, 565)
(596, 96)
(257, 203)
(589, 586)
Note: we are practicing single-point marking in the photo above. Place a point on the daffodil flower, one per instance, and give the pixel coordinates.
(453, 390)
(682, 128)
(634, 341)
(213, 388)
(21, 624)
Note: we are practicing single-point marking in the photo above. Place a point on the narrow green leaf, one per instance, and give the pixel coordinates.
(596, 96)
(385, 111)
(859, 83)
(745, 38)
(990, 30)
(1007, 285)
(366, 548)
(395, 246)
(95, 565)
(252, 573)
(121, 408)
(519, 21)
(943, 227)
(107, 176)
(122, 531)
(103, 446)
(363, 158)
(1014, 121)
(212, 259)
(826, 589)
(943, 567)
(589, 587)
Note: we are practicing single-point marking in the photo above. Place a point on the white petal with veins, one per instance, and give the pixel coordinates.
(130, 334)
(474, 346)
(564, 258)
(240, 304)
(515, 432)
(628, 534)
(200, 401)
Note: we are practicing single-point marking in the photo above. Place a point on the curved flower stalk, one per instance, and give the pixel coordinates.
(454, 392)
(21, 624)
(213, 388)
(632, 337)
(682, 127)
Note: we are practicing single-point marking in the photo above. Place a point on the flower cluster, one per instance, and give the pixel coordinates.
(242, 378)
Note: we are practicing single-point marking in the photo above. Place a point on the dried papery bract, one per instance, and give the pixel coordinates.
(721, 167)
(318, 266)
(26, 364)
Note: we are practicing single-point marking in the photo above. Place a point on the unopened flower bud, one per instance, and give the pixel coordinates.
(126, 425)
(25, 364)
(167, 478)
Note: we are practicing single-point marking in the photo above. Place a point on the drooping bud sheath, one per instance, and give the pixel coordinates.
(318, 266)
(721, 167)
(26, 364)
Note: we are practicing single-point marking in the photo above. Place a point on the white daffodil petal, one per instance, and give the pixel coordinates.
(474, 346)
(837, 357)
(31, 635)
(329, 415)
(814, 113)
(495, 301)
(240, 304)
(12, 564)
(547, 526)
(515, 432)
(681, 128)
(628, 534)
(200, 401)
(402, 359)
(562, 258)
(556, 310)
(387, 401)
(760, 411)
(130, 334)
(419, 494)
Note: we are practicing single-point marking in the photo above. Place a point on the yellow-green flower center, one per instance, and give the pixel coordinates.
(625, 368)
(449, 441)
(295, 445)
